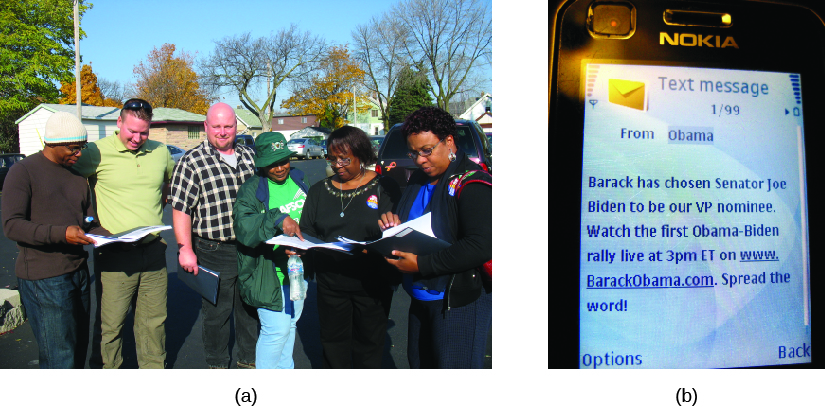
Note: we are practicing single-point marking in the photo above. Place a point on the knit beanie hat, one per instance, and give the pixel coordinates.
(63, 129)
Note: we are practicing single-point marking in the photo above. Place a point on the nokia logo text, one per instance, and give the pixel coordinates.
(697, 40)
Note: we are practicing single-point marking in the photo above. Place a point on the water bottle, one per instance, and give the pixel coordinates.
(297, 290)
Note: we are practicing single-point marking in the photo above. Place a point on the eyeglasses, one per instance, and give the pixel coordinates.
(423, 152)
(138, 105)
(341, 162)
(75, 150)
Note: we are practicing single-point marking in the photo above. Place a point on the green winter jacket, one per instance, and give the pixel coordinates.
(255, 223)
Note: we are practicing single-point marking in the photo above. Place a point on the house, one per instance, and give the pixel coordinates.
(288, 125)
(248, 122)
(169, 126)
(319, 134)
(481, 111)
(370, 122)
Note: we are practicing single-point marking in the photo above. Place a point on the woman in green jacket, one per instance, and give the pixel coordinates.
(268, 204)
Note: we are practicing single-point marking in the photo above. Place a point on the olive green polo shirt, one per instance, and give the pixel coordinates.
(127, 184)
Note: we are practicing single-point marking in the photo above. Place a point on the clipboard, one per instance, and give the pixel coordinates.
(205, 282)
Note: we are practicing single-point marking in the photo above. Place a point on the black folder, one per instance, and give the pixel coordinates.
(205, 282)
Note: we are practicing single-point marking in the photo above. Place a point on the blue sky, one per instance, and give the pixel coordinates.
(121, 34)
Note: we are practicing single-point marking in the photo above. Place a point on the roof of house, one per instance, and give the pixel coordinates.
(250, 119)
(311, 131)
(90, 112)
(469, 111)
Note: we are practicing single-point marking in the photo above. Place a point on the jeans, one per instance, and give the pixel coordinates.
(58, 310)
(223, 258)
(277, 338)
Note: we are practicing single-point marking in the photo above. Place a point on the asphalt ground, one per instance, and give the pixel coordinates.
(184, 345)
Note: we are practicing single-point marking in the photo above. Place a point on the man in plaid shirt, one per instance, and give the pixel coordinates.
(204, 186)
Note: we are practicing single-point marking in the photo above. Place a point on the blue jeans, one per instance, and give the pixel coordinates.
(223, 258)
(58, 310)
(277, 338)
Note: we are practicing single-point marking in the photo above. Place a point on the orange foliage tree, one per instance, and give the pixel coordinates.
(328, 93)
(169, 81)
(89, 90)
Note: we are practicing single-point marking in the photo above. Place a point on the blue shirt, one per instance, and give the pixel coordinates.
(419, 208)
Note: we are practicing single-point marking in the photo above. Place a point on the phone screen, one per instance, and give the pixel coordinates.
(694, 232)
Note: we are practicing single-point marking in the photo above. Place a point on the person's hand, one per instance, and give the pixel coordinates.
(294, 251)
(388, 220)
(76, 236)
(291, 228)
(188, 260)
(406, 262)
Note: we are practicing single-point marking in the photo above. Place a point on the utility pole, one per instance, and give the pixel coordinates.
(77, 57)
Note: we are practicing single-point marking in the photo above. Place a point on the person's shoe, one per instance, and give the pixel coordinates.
(246, 365)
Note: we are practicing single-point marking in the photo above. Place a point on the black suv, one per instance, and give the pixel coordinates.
(394, 162)
(245, 140)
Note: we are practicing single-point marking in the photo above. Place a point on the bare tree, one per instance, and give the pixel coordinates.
(379, 46)
(113, 90)
(452, 37)
(246, 64)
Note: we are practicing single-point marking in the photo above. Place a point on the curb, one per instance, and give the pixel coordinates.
(12, 313)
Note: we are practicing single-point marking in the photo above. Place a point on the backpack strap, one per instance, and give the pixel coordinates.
(457, 184)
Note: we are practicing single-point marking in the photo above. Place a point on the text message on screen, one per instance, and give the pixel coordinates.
(694, 249)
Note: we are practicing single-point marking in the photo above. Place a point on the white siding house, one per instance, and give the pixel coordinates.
(99, 122)
(478, 112)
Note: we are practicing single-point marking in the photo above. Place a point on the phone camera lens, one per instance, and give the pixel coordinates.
(612, 19)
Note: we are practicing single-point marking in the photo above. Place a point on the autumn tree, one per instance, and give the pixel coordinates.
(167, 80)
(246, 65)
(90, 92)
(451, 37)
(328, 92)
(412, 92)
(379, 47)
(36, 53)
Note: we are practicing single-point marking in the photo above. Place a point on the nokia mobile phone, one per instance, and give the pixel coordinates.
(693, 129)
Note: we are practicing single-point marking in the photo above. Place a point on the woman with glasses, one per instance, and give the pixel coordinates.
(354, 291)
(451, 307)
(267, 205)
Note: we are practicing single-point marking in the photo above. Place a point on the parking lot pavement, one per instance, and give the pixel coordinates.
(184, 346)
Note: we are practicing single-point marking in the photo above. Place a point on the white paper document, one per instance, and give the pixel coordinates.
(421, 224)
(296, 242)
(132, 235)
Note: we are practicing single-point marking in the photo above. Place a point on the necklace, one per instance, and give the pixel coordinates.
(341, 187)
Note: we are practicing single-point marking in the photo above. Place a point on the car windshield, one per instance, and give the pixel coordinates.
(296, 141)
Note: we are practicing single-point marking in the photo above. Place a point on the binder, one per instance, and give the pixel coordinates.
(205, 282)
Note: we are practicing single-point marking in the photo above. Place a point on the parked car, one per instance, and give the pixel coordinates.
(394, 162)
(306, 148)
(245, 140)
(6, 161)
(176, 152)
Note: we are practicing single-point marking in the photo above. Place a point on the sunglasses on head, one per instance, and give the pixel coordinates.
(138, 105)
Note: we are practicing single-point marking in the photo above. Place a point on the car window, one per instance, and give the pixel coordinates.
(395, 145)
(296, 141)
(465, 141)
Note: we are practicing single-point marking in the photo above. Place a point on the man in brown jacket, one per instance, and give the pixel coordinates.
(44, 204)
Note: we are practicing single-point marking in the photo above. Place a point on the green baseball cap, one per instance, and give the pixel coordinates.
(270, 147)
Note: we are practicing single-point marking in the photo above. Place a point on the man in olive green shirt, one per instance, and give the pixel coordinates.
(130, 175)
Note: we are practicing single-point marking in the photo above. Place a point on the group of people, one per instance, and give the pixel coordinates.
(227, 200)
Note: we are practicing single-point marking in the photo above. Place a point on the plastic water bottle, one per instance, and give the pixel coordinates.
(297, 290)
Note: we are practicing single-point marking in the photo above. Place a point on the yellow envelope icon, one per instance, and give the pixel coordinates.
(627, 93)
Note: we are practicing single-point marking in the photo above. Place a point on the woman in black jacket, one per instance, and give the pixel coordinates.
(451, 308)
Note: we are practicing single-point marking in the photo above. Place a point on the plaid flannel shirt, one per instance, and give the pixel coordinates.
(205, 187)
